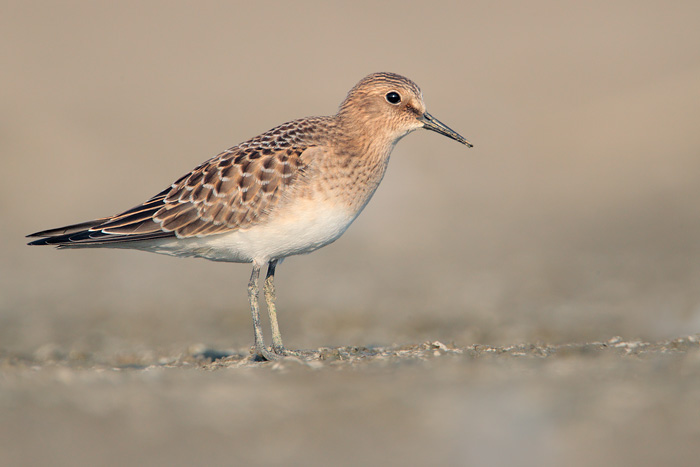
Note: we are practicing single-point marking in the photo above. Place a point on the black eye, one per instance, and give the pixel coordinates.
(393, 97)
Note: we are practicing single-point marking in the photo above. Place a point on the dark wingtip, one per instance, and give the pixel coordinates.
(43, 241)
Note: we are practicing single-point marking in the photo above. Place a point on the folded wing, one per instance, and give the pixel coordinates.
(233, 190)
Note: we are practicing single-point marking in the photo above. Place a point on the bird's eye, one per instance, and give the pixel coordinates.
(393, 97)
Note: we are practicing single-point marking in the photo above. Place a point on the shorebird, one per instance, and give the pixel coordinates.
(289, 191)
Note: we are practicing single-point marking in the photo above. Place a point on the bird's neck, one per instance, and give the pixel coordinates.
(363, 139)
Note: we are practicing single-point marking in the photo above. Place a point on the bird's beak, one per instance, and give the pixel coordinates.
(433, 124)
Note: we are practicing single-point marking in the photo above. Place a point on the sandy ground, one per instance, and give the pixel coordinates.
(558, 261)
(616, 402)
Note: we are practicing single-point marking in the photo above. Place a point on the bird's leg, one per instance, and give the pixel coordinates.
(270, 298)
(260, 351)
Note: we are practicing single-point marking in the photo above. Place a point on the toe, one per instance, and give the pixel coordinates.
(261, 354)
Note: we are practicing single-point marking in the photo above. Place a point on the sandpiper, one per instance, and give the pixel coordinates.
(289, 191)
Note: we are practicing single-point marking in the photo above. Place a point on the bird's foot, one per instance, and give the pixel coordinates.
(263, 354)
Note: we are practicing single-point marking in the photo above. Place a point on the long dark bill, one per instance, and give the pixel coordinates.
(433, 124)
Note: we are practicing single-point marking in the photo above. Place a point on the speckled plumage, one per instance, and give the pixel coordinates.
(290, 190)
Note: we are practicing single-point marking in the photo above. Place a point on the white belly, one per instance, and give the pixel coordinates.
(300, 227)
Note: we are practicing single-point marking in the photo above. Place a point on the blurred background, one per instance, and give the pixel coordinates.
(574, 218)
